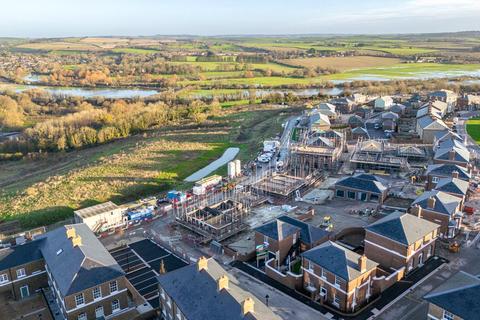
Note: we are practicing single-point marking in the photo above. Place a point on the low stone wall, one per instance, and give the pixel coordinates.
(384, 280)
(291, 280)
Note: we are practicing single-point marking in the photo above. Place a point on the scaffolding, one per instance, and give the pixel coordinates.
(216, 216)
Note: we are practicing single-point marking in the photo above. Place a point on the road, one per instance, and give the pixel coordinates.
(461, 127)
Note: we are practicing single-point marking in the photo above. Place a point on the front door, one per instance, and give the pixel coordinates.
(420, 259)
(24, 292)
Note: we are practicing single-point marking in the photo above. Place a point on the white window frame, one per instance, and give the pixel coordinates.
(447, 315)
(3, 278)
(323, 290)
(21, 273)
(338, 282)
(96, 312)
(335, 298)
(28, 291)
(115, 284)
(310, 265)
(434, 179)
(99, 292)
(323, 274)
(81, 298)
(82, 316)
(115, 302)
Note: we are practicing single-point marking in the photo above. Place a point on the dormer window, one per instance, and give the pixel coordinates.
(113, 286)
(79, 299)
(21, 273)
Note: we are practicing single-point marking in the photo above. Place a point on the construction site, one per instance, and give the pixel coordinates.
(382, 155)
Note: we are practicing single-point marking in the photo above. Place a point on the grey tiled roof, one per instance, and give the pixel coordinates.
(337, 259)
(308, 234)
(458, 295)
(452, 185)
(402, 227)
(78, 268)
(277, 230)
(461, 155)
(446, 170)
(362, 183)
(197, 296)
(444, 202)
(21, 254)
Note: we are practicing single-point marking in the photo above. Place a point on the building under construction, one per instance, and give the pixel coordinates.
(316, 151)
(382, 155)
(217, 222)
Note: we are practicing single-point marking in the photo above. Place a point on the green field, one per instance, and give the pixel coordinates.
(128, 169)
(134, 51)
(473, 129)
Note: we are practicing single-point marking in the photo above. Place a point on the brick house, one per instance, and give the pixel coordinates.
(362, 187)
(435, 172)
(453, 155)
(72, 267)
(337, 276)
(441, 208)
(401, 240)
(22, 270)
(205, 290)
(288, 237)
(455, 299)
(454, 186)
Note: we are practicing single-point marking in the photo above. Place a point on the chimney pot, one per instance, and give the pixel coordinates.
(202, 264)
(248, 306)
(222, 283)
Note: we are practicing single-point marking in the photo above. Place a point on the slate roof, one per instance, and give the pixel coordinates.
(461, 155)
(450, 143)
(402, 227)
(277, 230)
(458, 295)
(422, 112)
(196, 294)
(308, 233)
(362, 183)
(337, 259)
(356, 120)
(444, 203)
(446, 170)
(390, 115)
(20, 254)
(78, 268)
(452, 185)
(427, 122)
(318, 118)
(326, 106)
(442, 136)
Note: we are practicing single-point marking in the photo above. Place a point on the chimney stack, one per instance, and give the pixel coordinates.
(247, 306)
(222, 282)
(417, 211)
(71, 233)
(431, 202)
(455, 174)
(77, 241)
(202, 264)
(451, 155)
(362, 263)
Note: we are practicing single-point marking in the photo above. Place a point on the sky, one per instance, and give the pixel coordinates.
(61, 18)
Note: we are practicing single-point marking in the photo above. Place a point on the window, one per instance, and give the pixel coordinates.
(310, 265)
(434, 179)
(429, 251)
(340, 193)
(21, 273)
(82, 316)
(3, 278)
(323, 291)
(79, 299)
(99, 312)
(96, 293)
(410, 265)
(338, 281)
(323, 274)
(294, 238)
(113, 286)
(351, 195)
(336, 300)
(115, 305)
(447, 315)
